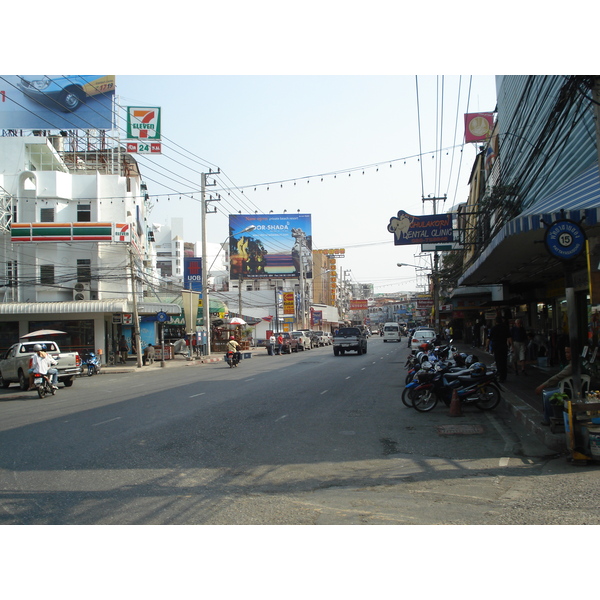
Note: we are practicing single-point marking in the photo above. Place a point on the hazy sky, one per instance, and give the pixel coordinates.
(345, 149)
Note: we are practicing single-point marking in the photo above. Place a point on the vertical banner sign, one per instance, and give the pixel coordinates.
(192, 273)
(143, 130)
(288, 303)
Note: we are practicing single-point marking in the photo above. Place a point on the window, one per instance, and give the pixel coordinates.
(84, 270)
(84, 213)
(47, 274)
(47, 215)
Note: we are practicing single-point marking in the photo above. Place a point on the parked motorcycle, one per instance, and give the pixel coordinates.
(476, 385)
(42, 385)
(232, 358)
(93, 364)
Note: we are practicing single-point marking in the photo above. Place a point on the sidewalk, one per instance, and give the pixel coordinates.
(178, 361)
(521, 400)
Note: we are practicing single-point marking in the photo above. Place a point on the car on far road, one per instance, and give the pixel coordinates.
(304, 341)
(324, 338)
(420, 336)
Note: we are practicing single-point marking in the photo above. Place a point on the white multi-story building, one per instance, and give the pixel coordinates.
(74, 243)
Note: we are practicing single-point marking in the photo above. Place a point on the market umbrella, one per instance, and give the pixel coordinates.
(42, 333)
(237, 321)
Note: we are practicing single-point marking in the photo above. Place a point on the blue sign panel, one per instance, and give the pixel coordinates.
(429, 229)
(565, 240)
(192, 273)
(56, 101)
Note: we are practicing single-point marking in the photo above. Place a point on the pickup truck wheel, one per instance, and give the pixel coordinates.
(365, 350)
(336, 351)
(3, 382)
(23, 381)
(359, 351)
(68, 382)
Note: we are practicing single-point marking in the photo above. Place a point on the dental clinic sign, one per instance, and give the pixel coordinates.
(428, 229)
(143, 129)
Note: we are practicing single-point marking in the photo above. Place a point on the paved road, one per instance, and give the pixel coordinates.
(307, 438)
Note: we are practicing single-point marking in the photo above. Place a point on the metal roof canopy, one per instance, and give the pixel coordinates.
(86, 306)
(517, 255)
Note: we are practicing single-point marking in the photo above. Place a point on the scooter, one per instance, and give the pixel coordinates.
(42, 385)
(232, 358)
(93, 364)
(476, 385)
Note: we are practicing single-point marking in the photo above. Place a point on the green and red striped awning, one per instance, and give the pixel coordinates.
(70, 232)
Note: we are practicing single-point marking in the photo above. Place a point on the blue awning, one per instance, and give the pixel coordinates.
(517, 243)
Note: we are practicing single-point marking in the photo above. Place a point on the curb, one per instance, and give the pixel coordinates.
(529, 418)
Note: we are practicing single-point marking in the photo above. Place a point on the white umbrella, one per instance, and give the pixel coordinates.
(42, 333)
(237, 321)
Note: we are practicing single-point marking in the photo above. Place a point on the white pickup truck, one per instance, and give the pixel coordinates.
(14, 365)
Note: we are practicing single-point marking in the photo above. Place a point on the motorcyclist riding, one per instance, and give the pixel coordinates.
(43, 363)
(233, 346)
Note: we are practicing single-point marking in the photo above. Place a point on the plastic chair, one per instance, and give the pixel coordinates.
(567, 385)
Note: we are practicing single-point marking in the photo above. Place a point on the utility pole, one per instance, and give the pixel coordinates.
(435, 274)
(205, 290)
(136, 320)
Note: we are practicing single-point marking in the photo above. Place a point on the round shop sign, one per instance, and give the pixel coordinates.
(565, 239)
(162, 317)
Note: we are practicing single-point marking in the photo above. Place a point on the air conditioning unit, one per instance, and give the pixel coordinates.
(81, 291)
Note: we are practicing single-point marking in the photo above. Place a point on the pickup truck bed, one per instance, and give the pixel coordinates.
(349, 339)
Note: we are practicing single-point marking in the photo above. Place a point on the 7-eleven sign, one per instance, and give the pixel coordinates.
(143, 123)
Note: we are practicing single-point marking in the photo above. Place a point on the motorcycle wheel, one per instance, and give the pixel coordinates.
(407, 396)
(488, 397)
(90, 371)
(41, 390)
(424, 400)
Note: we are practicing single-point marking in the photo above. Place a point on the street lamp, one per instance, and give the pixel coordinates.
(205, 290)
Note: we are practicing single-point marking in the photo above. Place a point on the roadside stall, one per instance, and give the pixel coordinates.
(224, 329)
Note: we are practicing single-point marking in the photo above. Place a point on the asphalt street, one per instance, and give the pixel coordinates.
(306, 438)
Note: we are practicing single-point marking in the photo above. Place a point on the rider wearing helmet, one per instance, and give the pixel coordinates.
(233, 346)
(42, 363)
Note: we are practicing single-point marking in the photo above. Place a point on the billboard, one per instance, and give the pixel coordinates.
(56, 101)
(276, 248)
(429, 229)
(478, 126)
(192, 273)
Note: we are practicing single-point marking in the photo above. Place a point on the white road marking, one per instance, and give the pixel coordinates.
(103, 422)
(196, 395)
(324, 392)
(282, 417)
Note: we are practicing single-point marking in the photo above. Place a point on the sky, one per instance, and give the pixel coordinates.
(351, 151)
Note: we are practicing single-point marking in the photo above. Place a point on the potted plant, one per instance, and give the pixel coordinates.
(557, 401)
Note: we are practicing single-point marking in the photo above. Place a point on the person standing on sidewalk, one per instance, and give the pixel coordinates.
(499, 335)
(123, 349)
(272, 345)
(552, 383)
(518, 340)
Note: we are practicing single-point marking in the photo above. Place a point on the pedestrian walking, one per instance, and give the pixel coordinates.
(123, 350)
(272, 341)
(280, 344)
(518, 341)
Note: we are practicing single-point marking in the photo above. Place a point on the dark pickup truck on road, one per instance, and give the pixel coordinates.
(349, 339)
